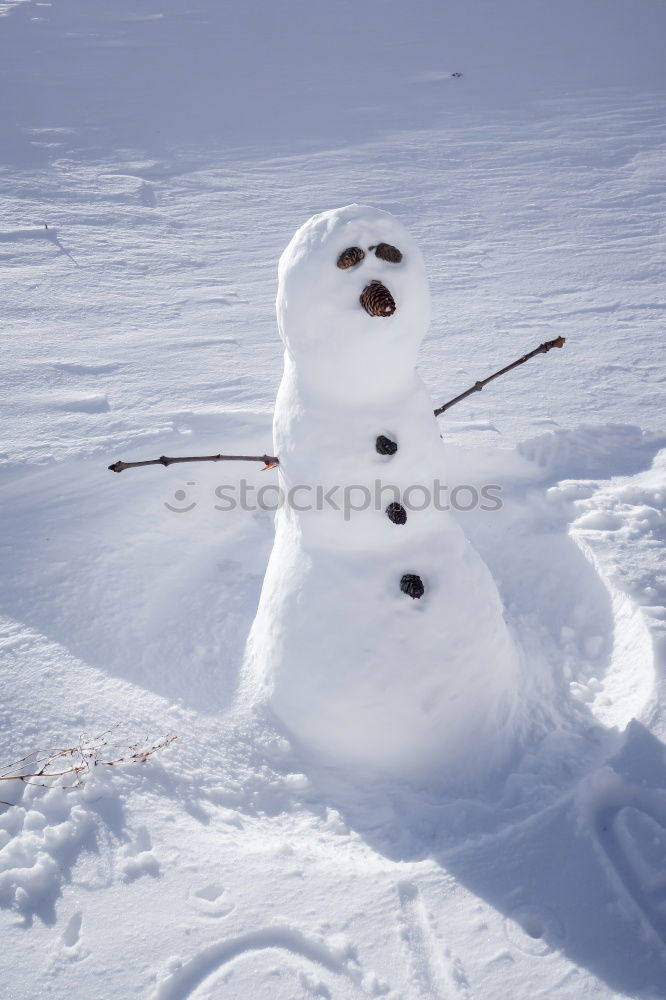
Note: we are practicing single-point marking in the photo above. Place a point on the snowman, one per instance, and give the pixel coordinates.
(379, 642)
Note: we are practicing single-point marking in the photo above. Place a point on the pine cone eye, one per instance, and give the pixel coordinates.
(377, 300)
(350, 257)
(386, 252)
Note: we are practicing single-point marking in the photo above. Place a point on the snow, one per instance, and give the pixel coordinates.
(172, 150)
(425, 685)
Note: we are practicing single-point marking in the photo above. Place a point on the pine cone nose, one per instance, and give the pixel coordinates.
(377, 300)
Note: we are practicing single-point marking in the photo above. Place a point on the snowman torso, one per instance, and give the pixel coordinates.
(379, 639)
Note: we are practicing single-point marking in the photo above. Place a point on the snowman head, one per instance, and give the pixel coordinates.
(353, 302)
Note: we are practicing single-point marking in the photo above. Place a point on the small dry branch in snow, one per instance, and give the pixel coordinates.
(73, 764)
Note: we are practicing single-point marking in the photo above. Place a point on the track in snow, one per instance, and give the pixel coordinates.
(183, 982)
(436, 973)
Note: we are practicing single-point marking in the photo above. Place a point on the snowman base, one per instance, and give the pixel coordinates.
(416, 687)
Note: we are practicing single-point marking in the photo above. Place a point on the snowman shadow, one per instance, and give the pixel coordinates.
(560, 830)
(588, 670)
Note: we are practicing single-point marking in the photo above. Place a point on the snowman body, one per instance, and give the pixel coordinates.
(379, 640)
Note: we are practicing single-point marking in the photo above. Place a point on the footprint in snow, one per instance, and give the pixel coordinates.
(69, 946)
(534, 929)
(137, 858)
(72, 932)
(211, 900)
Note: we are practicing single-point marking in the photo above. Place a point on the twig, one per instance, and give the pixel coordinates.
(270, 461)
(91, 752)
(478, 386)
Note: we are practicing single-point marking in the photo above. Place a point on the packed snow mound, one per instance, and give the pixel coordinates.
(380, 638)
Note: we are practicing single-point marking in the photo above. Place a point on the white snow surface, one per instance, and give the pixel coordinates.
(172, 150)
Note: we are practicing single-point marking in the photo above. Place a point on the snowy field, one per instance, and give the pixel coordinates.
(156, 158)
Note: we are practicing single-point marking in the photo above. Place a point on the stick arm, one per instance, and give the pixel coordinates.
(478, 386)
(270, 461)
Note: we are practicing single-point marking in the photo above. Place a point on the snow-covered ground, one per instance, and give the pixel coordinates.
(172, 149)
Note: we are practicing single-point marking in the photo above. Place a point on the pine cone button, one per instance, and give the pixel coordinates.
(412, 585)
(384, 445)
(377, 300)
(396, 513)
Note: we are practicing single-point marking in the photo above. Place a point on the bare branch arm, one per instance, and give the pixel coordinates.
(478, 386)
(270, 461)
